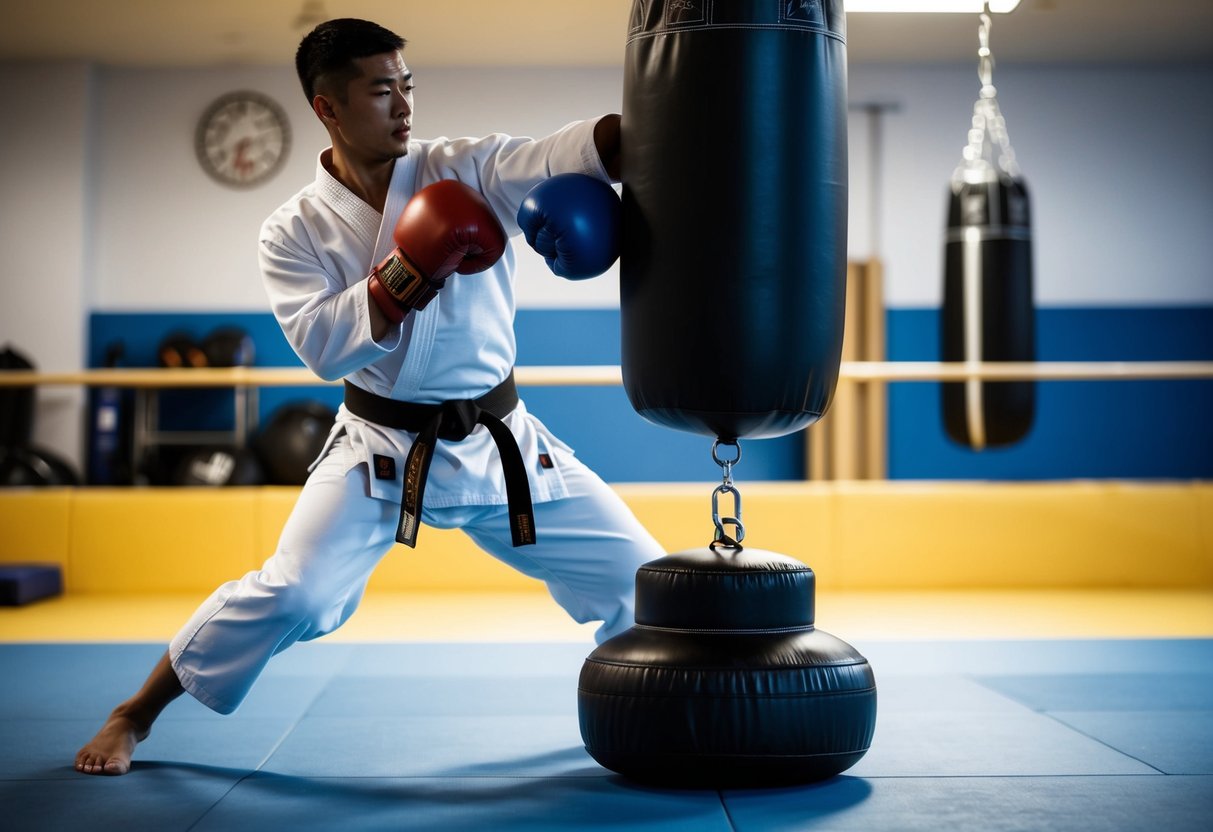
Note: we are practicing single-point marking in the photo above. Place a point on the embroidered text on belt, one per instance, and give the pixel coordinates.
(452, 421)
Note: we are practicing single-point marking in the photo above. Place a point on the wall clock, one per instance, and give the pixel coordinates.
(242, 139)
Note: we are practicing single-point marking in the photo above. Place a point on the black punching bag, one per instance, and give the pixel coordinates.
(724, 681)
(988, 313)
(733, 271)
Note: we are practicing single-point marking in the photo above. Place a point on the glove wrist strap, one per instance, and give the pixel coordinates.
(405, 282)
(384, 300)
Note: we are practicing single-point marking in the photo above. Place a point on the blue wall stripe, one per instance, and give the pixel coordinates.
(140, 334)
(604, 429)
(597, 422)
(1083, 429)
(1148, 429)
(1078, 334)
(567, 336)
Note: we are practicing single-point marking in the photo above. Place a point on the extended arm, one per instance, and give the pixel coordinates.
(607, 140)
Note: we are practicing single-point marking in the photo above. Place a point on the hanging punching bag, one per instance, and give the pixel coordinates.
(987, 296)
(733, 270)
(732, 293)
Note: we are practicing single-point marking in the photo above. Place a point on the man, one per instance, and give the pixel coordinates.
(407, 337)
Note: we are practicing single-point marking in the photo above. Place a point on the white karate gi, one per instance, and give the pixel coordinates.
(316, 253)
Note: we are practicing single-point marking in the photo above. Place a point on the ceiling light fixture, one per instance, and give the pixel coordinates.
(936, 6)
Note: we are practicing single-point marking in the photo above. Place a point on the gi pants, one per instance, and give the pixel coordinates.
(589, 548)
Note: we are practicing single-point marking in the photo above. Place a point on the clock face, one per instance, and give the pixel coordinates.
(242, 139)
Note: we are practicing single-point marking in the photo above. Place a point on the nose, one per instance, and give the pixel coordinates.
(403, 102)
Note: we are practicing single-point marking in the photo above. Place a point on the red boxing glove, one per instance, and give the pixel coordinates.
(446, 227)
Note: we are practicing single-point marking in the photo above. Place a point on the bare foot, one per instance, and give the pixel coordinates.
(129, 724)
(110, 751)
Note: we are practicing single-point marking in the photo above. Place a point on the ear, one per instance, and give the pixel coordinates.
(322, 106)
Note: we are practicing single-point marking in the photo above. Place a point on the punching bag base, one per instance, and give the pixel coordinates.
(724, 681)
(695, 771)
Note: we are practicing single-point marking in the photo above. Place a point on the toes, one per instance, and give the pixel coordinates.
(93, 764)
(116, 766)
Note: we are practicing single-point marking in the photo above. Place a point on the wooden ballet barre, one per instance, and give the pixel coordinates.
(534, 376)
(611, 375)
(925, 371)
(165, 378)
(1024, 370)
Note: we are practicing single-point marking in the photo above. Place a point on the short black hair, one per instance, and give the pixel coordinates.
(328, 52)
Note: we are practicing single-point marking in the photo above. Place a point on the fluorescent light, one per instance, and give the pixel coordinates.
(939, 6)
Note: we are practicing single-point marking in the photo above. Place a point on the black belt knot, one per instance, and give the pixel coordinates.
(457, 419)
(451, 421)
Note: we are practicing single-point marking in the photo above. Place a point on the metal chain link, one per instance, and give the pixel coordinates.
(989, 146)
(985, 58)
(726, 487)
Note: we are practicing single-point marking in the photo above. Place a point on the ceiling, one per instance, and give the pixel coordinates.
(569, 32)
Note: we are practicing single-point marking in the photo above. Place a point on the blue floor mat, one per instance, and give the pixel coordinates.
(457, 804)
(1174, 742)
(1077, 735)
(988, 804)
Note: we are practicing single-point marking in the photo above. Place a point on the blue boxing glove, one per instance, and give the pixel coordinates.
(573, 221)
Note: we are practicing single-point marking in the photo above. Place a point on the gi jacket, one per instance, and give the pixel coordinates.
(316, 252)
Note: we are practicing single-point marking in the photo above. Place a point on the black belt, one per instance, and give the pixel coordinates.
(453, 421)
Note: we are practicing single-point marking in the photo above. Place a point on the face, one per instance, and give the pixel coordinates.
(375, 119)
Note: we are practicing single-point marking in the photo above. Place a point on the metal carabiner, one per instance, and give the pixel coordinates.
(734, 520)
(726, 463)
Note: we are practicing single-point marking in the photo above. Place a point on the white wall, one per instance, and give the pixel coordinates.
(170, 237)
(105, 207)
(1115, 158)
(166, 236)
(1117, 162)
(46, 158)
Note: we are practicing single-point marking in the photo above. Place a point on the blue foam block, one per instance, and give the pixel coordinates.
(22, 583)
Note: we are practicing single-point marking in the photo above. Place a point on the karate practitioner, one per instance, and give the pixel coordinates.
(411, 314)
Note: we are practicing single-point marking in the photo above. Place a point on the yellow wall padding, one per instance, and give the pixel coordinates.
(34, 525)
(1065, 536)
(444, 559)
(960, 535)
(856, 535)
(160, 539)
